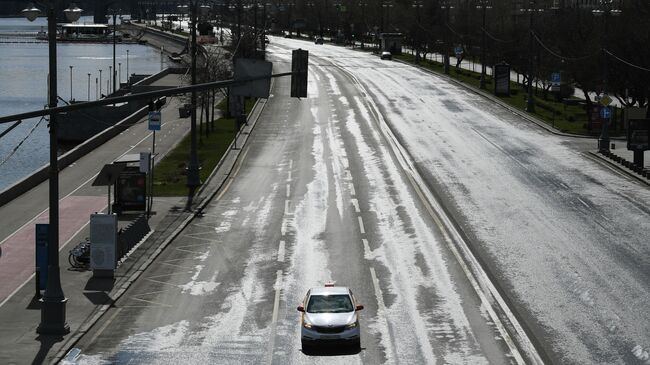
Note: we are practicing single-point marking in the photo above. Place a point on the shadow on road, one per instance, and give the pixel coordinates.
(332, 350)
(46, 344)
(100, 284)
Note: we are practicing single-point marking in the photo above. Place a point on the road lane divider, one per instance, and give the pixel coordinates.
(274, 318)
(362, 229)
(281, 251)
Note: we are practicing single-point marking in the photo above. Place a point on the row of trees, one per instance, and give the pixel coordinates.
(593, 52)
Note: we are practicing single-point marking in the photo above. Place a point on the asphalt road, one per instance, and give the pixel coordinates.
(319, 195)
(563, 236)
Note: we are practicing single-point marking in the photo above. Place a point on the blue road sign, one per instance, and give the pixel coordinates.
(458, 50)
(556, 78)
(154, 121)
(605, 112)
(42, 237)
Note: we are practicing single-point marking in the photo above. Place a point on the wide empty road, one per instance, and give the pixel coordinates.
(320, 195)
(339, 187)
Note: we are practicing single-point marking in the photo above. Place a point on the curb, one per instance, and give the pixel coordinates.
(101, 310)
(597, 157)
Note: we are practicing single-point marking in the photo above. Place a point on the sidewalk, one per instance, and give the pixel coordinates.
(88, 298)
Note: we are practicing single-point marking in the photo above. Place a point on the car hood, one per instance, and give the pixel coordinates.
(331, 319)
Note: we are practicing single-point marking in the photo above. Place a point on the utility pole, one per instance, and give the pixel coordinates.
(446, 6)
(193, 178)
(483, 5)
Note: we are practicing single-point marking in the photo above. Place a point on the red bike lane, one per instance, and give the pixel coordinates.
(18, 261)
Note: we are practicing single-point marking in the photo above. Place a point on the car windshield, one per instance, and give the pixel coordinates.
(329, 304)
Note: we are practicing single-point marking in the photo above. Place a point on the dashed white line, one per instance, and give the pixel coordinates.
(274, 318)
(289, 177)
(362, 229)
(366, 247)
(355, 202)
(286, 207)
(352, 191)
(281, 252)
(381, 311)
(288, 190)
(583, 203)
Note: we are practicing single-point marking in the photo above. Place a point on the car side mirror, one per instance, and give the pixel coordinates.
(301, 308)
(359, 307)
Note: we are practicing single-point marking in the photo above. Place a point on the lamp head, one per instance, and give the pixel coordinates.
(31, 12)
(73, 13)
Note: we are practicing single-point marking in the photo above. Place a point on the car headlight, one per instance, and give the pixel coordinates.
(306, 324)
(352, 325)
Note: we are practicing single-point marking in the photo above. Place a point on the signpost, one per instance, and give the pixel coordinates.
(154, 120)
(605, 112)
(556, 81)
(155, 123)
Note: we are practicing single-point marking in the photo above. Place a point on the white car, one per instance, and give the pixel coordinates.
(329, 315)
(386, 55)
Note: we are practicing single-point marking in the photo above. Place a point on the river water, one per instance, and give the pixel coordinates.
(23, 86)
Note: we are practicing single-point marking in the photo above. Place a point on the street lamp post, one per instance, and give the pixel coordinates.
(386, 5)
(100, 83)
(53, 308)
(605, 9)
(71, 82)
(417, 6)
(114, 13)
(127, 65)
(89, 86)
(532, 9)
(110, 80)
(119, 74)
(363, 5)
(446, 6)
(193, 178)
(483, 5)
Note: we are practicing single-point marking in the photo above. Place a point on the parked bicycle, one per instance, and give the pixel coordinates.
(79, 256)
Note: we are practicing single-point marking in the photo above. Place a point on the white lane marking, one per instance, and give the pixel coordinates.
(352, 191)
(289, 177)
(288, 190)
(286, 207)
(366, 247)
(583, 202)
(290, 164)
(355, 202)
(274, 318)
(281, 252)
(381, 312)
(103, 327)
(361, 227)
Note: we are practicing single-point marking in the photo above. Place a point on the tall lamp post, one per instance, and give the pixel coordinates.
(364, 30)
(71, 82)
(417, 6)
(446, 6)
(193, 178)
(483, 5)
(53, 308)
(605, 9)
(531, 9)
(113, 13)
(385, 6)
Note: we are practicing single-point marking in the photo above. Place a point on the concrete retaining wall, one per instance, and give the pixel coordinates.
(65, 160)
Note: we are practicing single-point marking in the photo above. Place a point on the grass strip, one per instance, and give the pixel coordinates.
(170, 175)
